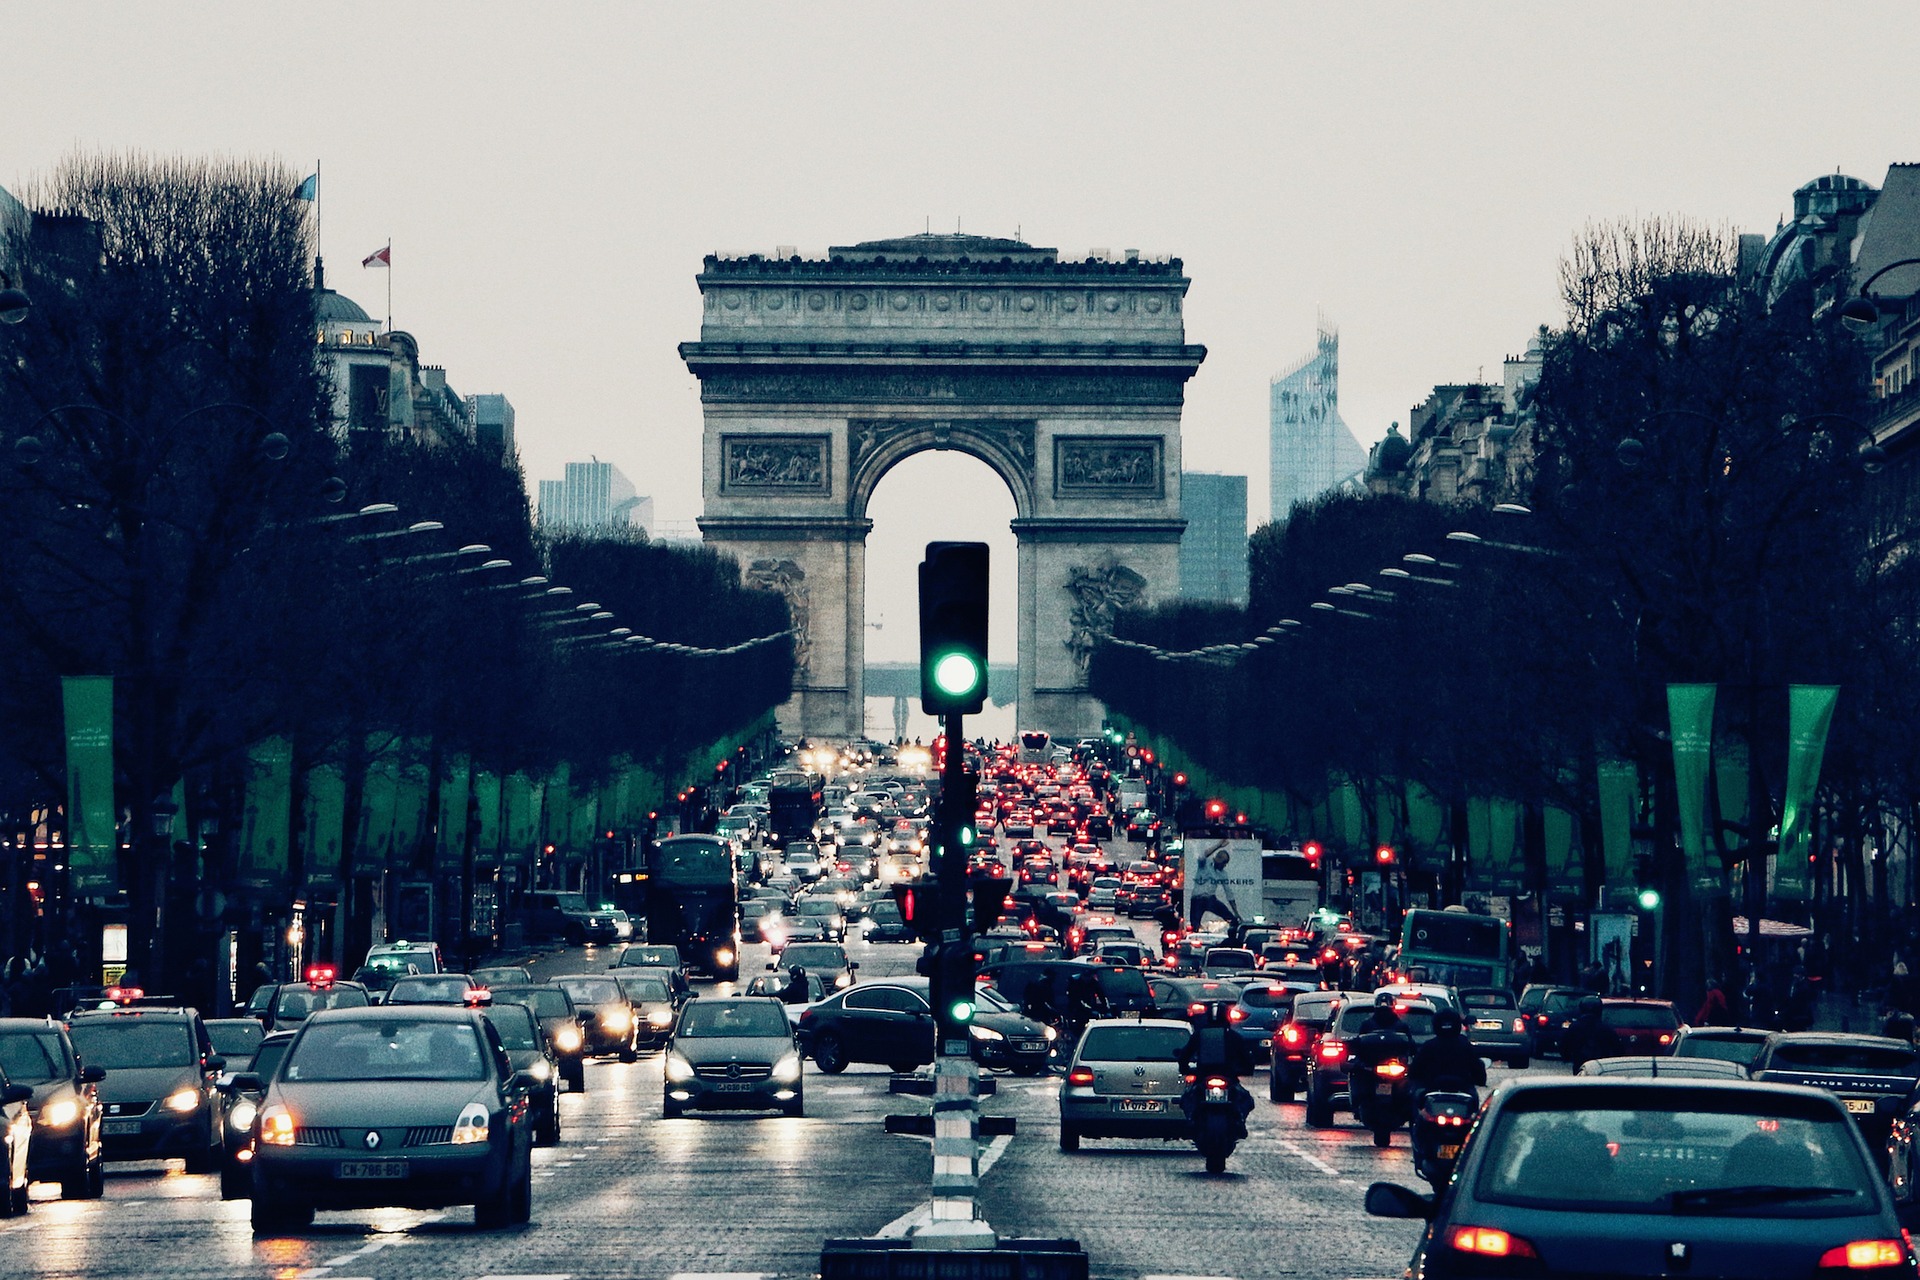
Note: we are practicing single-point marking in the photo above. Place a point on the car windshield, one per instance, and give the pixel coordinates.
(733, 1018)
(545, 1004)
(645, 989)
(1486, 1000)
(667, 957)
(1635, 1017)
(1854, 1059)
(586, 991)
(1133, 1044)
(1740, 1049)
(514, 1022)
(1229, 958)
(32, 1057)
(1668, 1150)
(1267, 998)
(233, 1040)
(437, 990)
(884, 913)
(1561, 1001)
(814, 956)
(267, 1058)
(295, 1003)
(117, 1043)
(398, 1050)
(819, 907)
(499, 977)
(1417, 1023)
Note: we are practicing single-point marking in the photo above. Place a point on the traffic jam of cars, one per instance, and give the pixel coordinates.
(1548, 1129)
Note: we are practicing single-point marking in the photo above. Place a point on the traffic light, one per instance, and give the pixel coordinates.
(951, 987)
(1384, 855)
(921, 906)
(1180, 780)
(1647, 892)
(989, 900)
(1216, 810)
(1312, 849)
(953, 628)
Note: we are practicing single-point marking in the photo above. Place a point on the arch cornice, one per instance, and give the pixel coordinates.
(875, 446)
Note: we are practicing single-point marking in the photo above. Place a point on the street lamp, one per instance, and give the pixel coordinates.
(14, 303)
(1862, 311)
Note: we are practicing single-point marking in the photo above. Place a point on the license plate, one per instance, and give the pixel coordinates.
(1859, 1106)
(1383, 1089)
(733, 1086)
(1486, 1024)
(119, 1128)
(1141, 1104)
(373, 1168)
(1030, 1046)
(1450, 1152)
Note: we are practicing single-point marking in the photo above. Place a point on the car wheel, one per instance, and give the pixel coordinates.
(1519, 1063)
(903, 1068)
(1319, 1109)
(17, 1200)
(523, 1195)
(796, 1108)
(576, 1076)
(279, 1219)
(1383, 1137)
(828, 1055)
(90, 1183)
(671, 1110)
(1276, 1091)
(236, 1182)
(204, 1160)
(1069, 1138)
(548, 1132)
(496, 1211)
(628, 1053)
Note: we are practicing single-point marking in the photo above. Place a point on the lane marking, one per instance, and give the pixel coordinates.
(919, 1215)
(995, 1149)
(559, 1275)
(713, 1275)
(1295, 1149)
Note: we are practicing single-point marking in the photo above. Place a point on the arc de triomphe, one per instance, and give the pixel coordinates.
(1067, 378)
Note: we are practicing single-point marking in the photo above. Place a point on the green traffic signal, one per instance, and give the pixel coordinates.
(1649, 899)
(956, 674)
(966, 835)
(960, 1011)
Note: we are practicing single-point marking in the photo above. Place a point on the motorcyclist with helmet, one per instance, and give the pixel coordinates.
(1588, 1037)
(796, 990)
(1214, 1049)
(1382, 1036)
(1448, 1058)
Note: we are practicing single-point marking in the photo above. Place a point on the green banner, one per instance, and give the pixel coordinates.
(583, 822)
(373, 850)
(486, 801)
(1426, 818)
(1690, 716)
(323, 820)
(1566, 869)
(556, 815)
(1809, 714)
(1493, 843)
(266, 824)
(520, 820)
(93, 842)
(410, 804)
(450, 830)
(1619, 790)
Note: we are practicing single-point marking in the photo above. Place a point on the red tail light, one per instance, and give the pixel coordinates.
(1236, 1014)
(1290, 1033)
(1195, 1009)
(320, 975)
(1080, 1075)
(1333, 1051)
(1862, 1255)
(1216, 1082)
(1490, 1242)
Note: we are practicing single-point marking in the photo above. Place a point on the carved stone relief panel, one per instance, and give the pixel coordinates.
(1108, 467)
(790, 580)
(1098, 592)
(775, 465)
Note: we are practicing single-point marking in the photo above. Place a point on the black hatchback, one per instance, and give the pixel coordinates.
(890, 1022)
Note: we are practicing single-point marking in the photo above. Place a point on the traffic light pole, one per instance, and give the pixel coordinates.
(956, 1076)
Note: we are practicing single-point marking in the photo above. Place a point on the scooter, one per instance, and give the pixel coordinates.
(1381, 1097)
(1218, 1125)
(1439, 1127)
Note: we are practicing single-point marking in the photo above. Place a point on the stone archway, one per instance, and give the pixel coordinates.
(818, 377)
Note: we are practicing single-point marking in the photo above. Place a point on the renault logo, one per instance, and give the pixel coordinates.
(373, 1139)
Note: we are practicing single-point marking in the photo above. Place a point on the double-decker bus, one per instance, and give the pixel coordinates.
(1289, 887)
(1036, 747)
(1455, 947)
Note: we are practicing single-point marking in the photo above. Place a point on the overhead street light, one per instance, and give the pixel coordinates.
(1862, 311)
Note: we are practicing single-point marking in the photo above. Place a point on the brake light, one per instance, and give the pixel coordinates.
(124, 995)
(1864, 1254)
(1541, 1018)
(320, 975)
(1665, 1038)
(1290, 1033)
(1080, 1075)
(1216, 1082)
(1491, 1242)
(1333, 1051)
(1196, 1009)
(1236, 1014)
(1519, 1025)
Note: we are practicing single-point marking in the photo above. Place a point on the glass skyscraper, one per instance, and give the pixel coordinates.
(1311, 449)
(1213, 550)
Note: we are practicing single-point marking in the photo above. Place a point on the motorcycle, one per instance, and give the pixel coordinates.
(1218, 1121)
(1381, 1097)
(1439, 1127)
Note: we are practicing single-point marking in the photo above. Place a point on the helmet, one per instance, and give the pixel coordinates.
(1590, 1005)
(1383, 999)
(1446, 1023)
(797, 972)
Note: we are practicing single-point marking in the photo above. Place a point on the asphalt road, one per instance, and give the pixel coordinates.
(627, 1194)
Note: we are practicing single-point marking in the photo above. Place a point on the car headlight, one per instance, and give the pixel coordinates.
(723, 957)
(472, 1126)
(540, 1070)
(787, 1070)
(1051, 1033)
(985, 1033)
(567, 1040)
(660, 1018)
(183, 1100)
(59, 1114)
(679, 1070)
(618, 1021)
(242, 1114)
(844, 980)
(276, 1126)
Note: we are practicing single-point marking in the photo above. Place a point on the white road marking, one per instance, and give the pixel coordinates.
(919, 1215)
(713, 1275)
(559, 1275)
(1189, 1278)
(995, 1149)
(1295, 1149)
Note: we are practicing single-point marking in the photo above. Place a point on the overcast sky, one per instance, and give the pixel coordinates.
(551, 174)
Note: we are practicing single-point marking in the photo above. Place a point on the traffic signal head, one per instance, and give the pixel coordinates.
(1649, 898)
(953, 628)
(1384, 855)
(920, 906)
(1216, 810)
(1179, 779)
(1312, 849)
(952, 986)
(989, 900)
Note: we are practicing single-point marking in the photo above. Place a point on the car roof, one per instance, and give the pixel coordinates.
(1839, 1038)
(402, 1012)
(1653, 1068)
(1754, 1034)
(131, 1011)
(1179, 1024)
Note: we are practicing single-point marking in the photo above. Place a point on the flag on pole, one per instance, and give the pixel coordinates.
(308, 190)
(379, 258)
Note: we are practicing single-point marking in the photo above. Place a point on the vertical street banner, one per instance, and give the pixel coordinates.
(266, 823)
(1809, 715)
(450, 825)
(373, 849)
(1619, 791)
(93, 842)
(556, 815)
(583, 822)
(1426, 818)
(1566, 869)
(1493, 843)
(1222, 879)
(519, 821)
(410, 799)
(323, 821)
(1690, 718)
(642, 793)
(486, 803)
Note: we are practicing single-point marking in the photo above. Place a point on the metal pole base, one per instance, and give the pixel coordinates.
(955, 1233)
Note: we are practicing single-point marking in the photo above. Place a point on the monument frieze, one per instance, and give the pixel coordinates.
(1107, 467)
(892, 386)
(772, 465)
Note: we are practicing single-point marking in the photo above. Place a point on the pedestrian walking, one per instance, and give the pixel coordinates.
(1714, 1010)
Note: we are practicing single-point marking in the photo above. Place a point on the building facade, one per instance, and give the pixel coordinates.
(492, 422)
(1213, 550)
(1310, 449)
(594, 496)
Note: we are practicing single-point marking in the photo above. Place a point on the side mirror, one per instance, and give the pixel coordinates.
(15, 1093)
(91, 1074)
(1391, 1200)
(247, 1082)
(521, 1082)
(584, 1017)
(216, 1063)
